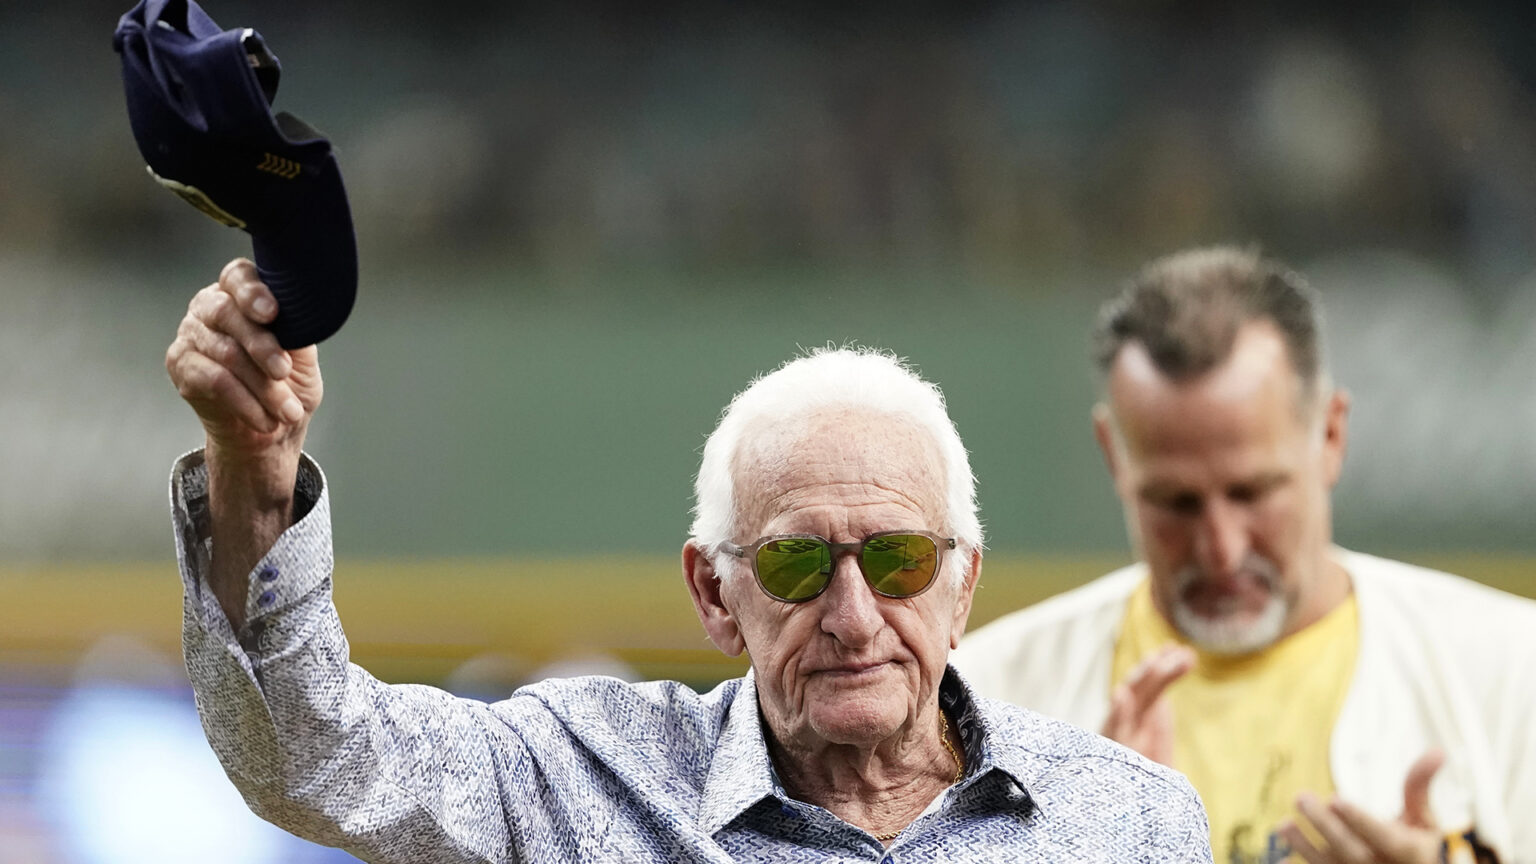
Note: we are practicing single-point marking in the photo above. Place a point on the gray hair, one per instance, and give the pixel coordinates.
(1186, 309)
(832, 378)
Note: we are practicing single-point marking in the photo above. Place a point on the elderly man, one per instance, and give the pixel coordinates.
(1309, 692)
(836, 542)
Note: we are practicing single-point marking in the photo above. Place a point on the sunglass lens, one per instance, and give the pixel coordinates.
(794, 568)
(899, 565)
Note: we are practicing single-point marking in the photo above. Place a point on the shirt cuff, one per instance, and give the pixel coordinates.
(297, 563)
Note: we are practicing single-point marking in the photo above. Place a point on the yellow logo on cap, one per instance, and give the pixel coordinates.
(194, 196)
(284, 168)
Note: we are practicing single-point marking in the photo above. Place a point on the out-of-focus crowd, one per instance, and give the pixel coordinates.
(1004, 136)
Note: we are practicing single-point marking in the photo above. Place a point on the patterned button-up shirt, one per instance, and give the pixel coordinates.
(595, 769)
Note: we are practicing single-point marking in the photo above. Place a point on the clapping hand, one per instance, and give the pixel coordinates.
(1139, 714)
(1351, 836)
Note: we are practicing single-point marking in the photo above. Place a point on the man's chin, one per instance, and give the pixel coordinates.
(860, 715)
(854, 725)
(1233, 632)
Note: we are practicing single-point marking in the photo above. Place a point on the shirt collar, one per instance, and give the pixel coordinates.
(741, 773)
(993, 740)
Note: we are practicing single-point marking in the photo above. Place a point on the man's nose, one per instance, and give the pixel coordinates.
(850, 611)
(1221, 539)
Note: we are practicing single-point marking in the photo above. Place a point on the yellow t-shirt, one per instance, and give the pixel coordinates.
(1251, 731)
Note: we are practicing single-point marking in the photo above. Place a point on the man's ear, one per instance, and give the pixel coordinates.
(1104, 433)
(963, 602)
(705, 587)
(1335, 435)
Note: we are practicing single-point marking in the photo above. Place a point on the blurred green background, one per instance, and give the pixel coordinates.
(584, 226)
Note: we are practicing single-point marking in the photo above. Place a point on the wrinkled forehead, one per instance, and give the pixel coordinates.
(782, 463)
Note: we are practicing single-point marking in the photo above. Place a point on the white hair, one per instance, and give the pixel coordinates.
(823, 379)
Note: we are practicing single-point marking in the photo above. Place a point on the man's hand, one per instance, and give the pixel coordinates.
(1353, 837)
(254, 400)
(1139, 715)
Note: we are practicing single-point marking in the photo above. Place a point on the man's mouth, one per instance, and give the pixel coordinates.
(855, 671)
(1226, 595)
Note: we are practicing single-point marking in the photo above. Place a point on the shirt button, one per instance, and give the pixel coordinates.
(266, 598)
(787, 811)
(267, 574)
(889, 859)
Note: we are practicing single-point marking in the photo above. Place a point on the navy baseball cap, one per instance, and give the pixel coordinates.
(199, 101)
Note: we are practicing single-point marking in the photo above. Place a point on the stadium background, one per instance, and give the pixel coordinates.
(583, 226)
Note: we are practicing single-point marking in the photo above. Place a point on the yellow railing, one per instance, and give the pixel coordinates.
(418, 620)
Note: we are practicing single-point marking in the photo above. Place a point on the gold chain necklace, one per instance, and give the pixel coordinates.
(959, 767)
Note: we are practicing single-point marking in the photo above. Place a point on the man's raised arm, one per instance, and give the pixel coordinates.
(316, 745)
(254, 400)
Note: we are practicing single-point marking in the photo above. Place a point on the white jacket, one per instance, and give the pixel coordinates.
(1443, 662)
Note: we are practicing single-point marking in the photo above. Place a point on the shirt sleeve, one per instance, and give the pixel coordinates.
(1195, 843)
(317, 746)
(1516, 719)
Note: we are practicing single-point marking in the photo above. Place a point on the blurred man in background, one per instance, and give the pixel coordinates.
(1327, 704)
(836, 542)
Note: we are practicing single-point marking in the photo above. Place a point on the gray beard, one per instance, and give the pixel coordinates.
(1232, 634)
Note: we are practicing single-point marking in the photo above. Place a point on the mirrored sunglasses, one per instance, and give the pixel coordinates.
(798, 567)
